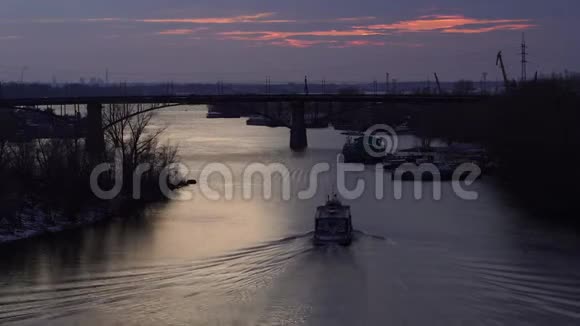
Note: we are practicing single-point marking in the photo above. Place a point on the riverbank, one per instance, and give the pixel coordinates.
(532, 135)
(48, 186)
(33, 221)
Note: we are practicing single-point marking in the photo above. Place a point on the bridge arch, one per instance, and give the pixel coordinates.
(165, 106)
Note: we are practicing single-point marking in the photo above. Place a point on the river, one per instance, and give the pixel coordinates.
(251, 261)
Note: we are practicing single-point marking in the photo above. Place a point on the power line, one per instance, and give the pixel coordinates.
(22, 70)
(484, 83)
(524, 55)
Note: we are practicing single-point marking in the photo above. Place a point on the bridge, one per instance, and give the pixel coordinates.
(298, 138)
(249, 98)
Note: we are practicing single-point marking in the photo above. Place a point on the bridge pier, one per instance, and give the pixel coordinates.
(298, 138)
(95, 137)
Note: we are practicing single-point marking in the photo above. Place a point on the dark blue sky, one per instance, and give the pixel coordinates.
(247, 40)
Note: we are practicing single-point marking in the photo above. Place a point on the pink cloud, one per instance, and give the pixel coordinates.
(256, 18)
(273, 35)
(438, 23)
(294, 43)
(357, 43)
(101, 20)
(337, 44)
(451, 23)
(181, 31)
(512, 27)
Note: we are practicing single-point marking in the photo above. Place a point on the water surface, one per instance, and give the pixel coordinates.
(251, 262)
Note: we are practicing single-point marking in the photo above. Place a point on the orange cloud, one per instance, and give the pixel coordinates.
(99, 20)
(439, 23)
(294, 43)
(356, 43)
(450, 24)
(257, 18)
(512, 27)
(181, 31)
(272, 35)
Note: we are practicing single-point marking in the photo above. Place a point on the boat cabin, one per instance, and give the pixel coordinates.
(333, 223)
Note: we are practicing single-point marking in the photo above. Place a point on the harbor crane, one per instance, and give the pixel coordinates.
(438, 83)
(499, 62)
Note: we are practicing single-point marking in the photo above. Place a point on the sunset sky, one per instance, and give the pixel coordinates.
(247, 40)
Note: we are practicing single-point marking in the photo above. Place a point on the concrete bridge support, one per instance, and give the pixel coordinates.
(298, 138)
(95, 138)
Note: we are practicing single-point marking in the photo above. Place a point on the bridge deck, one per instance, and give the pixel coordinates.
(216, 99)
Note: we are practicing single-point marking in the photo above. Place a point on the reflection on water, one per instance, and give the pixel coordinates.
(251, 262)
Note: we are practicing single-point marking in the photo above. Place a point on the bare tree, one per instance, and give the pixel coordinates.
(137, 144)
(7, 130)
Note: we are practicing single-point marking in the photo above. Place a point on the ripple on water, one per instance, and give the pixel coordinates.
(230, 274)
(529, 286)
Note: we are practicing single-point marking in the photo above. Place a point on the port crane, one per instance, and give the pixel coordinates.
(438, 83)
(499, 62)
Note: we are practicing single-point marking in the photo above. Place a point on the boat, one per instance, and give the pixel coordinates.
(257, 120)
(222, 115)
(333, 223)
(352, 133)
(403, 128)
(355, 151)
(444, 171)
(394, 162)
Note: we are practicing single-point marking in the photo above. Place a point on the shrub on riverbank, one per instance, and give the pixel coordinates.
(532, 133)
(45, 184)
(536, 139)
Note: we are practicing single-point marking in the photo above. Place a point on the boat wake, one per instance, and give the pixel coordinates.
(232, 276)
(235, 277)
(526, 285)
(361, 234)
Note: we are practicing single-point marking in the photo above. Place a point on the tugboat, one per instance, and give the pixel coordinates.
(333, 223)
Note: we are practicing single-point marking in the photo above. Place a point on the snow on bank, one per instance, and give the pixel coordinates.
(34, 221)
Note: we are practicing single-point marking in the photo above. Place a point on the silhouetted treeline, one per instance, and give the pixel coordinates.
(46, 182)
(31, 90)
(532, 132)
